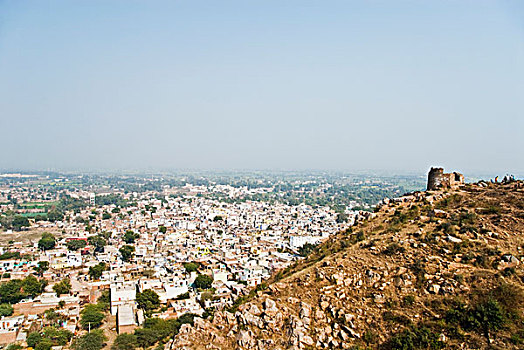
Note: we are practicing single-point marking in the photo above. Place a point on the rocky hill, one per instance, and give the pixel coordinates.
(431, 270)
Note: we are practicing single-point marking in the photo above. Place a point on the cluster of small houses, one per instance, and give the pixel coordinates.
(238, 244)
(123, 283)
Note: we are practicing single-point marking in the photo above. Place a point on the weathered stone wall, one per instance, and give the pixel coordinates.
(456, 179)
(435, 178)
(438, 179)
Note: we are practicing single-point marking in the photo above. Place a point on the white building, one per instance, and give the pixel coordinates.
(296, 242)
(220, 275)
(175, 287)
(122, 293)
(74, 259)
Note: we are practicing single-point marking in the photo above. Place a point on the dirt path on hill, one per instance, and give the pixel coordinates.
(109, 328)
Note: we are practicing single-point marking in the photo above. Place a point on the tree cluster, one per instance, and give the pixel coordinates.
(41, 267)
(10, 255)
(148, 301)
(109, 199)
(13, 291)
(49, 337)
(6, 310)
(306, 249)
(127, 252)
(191, 267)
(12, 221)
(62, 287)
(47, 241)
(94, 340)
(76, 244)
(203, 282)
(95, 272)
(92, 316)
(98, 242)
(130, 237)
(153, 331)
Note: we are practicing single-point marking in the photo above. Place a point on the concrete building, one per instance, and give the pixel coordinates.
(125, 319)
(122, 293)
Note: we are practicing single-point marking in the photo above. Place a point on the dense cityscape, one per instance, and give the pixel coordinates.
(81, 252)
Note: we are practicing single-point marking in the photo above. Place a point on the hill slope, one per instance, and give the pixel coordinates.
(430, 270)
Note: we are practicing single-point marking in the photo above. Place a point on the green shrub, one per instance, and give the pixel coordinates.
(33, 338)
(415, 337)
(491, 209)
(182, 296)
(395, 318)
(191, 266)
(447, 228)
(125, 341)
(306, 249)
(14, 347)
(203, 282)
(451, 201)
(90, 341)
(517, 338)
(393, 249)
(487, 315)
(409, 300)
(369, 337)
(92, 317)
(6, 310)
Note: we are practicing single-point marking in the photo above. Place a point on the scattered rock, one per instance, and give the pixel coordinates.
(434, 288)
(440, 213)
(453, 239)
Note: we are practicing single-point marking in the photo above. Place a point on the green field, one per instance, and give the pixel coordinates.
(32, 215)
(37, 205)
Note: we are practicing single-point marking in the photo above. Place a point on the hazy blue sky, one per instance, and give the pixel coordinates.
(394, 85)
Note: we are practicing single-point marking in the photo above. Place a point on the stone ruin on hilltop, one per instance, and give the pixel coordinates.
(437, 179)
